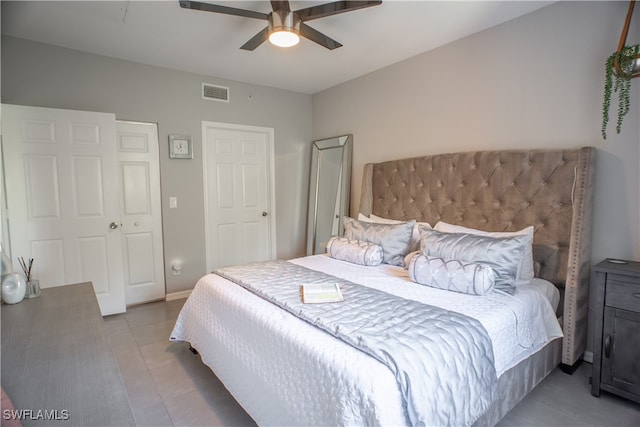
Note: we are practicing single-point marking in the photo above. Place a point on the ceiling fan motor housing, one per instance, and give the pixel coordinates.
(284, 20)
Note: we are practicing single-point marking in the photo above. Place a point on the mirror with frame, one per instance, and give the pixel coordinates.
(329, 189)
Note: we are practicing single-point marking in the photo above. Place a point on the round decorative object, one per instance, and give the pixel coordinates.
(14, 287)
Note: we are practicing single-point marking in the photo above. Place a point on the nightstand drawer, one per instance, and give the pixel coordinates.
(622, 294)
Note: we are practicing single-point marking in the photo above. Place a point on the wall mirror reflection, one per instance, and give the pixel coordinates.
(5, 244)
(329, 188)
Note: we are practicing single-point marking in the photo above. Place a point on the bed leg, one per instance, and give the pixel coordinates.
(570, 369)
(193, 350)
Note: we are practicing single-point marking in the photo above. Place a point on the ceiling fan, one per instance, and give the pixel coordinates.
(284, 26)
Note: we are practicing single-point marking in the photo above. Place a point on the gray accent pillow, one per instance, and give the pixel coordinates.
(355, 251)
(452, 275)
(526, 271)
(503, 254)
(395, 239)
(415, 238)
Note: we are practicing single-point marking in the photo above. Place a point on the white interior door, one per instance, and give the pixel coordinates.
(239, 195)
(141, 214)
(62, 198)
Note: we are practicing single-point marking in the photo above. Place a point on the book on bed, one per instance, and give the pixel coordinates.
(315, 293)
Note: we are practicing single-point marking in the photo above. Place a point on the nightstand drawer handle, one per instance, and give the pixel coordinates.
(607, 345)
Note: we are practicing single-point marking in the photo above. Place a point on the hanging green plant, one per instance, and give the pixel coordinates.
(619, 70)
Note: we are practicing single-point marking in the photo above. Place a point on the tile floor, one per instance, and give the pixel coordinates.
(166, 383)
(169, 386)
(566, 400)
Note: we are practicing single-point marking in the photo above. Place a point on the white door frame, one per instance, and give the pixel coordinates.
(269, 132)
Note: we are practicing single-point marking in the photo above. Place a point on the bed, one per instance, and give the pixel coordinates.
(284, 370)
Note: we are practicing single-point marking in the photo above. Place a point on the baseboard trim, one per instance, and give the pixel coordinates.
(588, 356)
(177, 295)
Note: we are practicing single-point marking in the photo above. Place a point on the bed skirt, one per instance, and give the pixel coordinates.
(517, 382)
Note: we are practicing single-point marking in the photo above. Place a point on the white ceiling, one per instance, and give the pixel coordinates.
(162, 33)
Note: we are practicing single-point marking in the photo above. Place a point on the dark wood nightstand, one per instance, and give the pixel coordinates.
(616, 346)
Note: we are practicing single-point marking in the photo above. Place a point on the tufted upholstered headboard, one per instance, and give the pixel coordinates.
(504, 191)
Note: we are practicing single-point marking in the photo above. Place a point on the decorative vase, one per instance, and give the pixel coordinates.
(14, 286)
(33, 289)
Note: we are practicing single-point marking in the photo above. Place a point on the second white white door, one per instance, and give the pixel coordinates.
(239, 195)
(141, 218)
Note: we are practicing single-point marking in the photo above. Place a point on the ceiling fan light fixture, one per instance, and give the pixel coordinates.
(284, 28)
(284, 38)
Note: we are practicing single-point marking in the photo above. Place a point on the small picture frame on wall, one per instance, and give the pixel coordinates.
(180, 147)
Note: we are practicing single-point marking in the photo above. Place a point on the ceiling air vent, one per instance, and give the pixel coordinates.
(215, 93)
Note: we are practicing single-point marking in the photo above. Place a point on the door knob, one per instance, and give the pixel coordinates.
(264, 213)
(114, 225)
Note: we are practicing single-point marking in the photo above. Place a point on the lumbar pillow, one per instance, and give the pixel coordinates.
(355, 251)
(526, 271)
(394, 238)
(452, 275)
(503, 254)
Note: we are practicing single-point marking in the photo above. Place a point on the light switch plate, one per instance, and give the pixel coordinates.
(173, 202)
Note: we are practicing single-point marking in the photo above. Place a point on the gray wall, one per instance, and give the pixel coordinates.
(42, 75)
(534, 82)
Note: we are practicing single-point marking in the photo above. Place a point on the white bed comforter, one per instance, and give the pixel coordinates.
(284, 371)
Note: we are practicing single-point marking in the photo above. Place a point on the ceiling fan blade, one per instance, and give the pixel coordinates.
(316, 36)
(208, 7)
(334, 8)
(280, 5)
(256, 40)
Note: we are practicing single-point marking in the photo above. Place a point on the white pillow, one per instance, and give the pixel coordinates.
(526, 270)
(378, 219)
(415, 237)
(503, 254)
(452, 275)
(355, 251)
